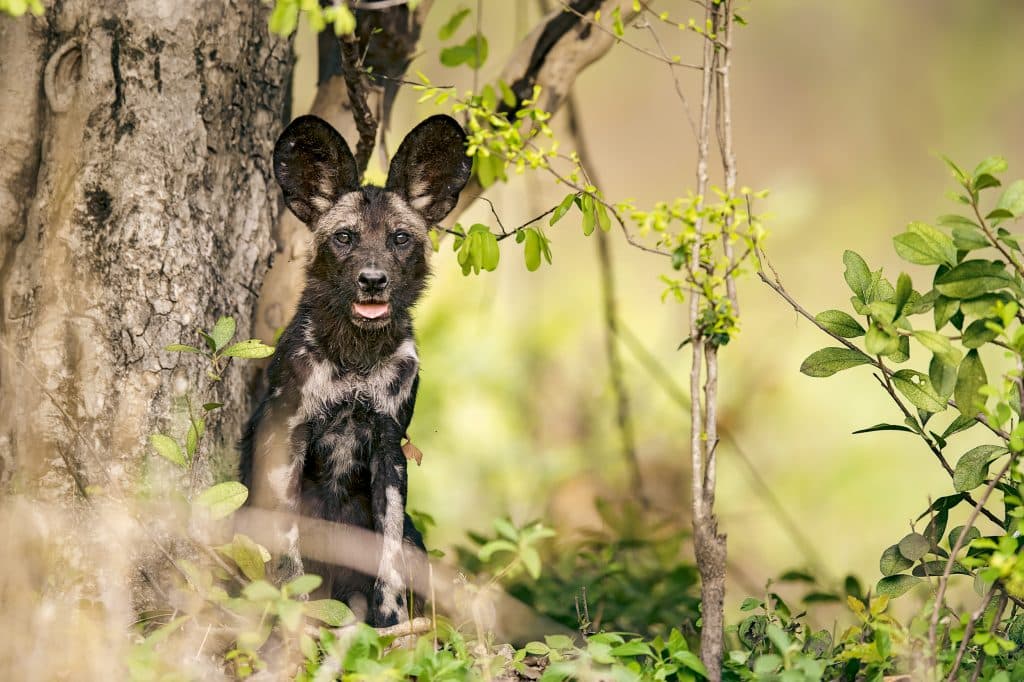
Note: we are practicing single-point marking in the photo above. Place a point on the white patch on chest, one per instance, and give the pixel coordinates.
(325, 387)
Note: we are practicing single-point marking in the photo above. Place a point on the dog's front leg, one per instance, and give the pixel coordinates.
(390, 486)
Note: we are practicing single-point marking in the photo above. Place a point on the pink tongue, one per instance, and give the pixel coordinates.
(371, 311)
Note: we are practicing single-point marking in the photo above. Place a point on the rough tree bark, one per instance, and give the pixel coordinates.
(136, 203)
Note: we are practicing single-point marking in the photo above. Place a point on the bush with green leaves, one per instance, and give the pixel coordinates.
(631, 575)
(949, 353)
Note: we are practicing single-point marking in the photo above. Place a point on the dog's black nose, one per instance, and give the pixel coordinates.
(373, 280)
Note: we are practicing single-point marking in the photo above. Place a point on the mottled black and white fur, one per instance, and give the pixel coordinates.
(326, 440)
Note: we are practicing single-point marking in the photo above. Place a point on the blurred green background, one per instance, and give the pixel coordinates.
(841, 110)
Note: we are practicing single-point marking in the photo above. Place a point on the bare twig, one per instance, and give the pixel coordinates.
(995, 242)
(775, 283)
(675, 78)
(728, 154)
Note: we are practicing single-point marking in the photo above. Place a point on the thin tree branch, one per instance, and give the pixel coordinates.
(675, 78)
(358, 93)
(775, 283)
(728, 153)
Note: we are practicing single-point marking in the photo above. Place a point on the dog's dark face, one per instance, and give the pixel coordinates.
(370, 244)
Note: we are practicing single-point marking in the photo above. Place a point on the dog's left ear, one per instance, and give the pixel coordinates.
(431, 167)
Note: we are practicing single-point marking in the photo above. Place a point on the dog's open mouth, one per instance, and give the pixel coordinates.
(371, 311)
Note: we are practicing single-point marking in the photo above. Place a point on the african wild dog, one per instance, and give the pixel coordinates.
(326, 440)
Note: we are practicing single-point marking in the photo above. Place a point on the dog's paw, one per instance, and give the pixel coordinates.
(388, 606)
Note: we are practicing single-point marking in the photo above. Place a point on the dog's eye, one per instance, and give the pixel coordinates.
(401, 238)
(343, 237)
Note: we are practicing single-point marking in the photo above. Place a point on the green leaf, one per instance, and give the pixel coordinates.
(918, 390)
(261, 590)
(616, 22)
(828, 361)
(945, 309)
(222, 332)
(839, 323)
(508, 97)
(857, 275)
(954, 535)
(587, 206)
(749, 604)
(984, 306)
(689, 660)
(978, 334)
(342, 18)
(284, 18)
(290, 613)
(972, 467)
(330, 611)
(472, 53)
(182, 348)
(880, 342)
(493, 547)
(904, 288)
(169, 449)
(196, 430)
(914, 546)
(961, 423)
(452, 25)
(1012, 199)
(484, 170)
(223, 499)
(958, 173)
(973, 278)
(939, 345)
(936, 527)
(896, 585)
(531, 248)
(562, 208)
(252, 349)
(531, 559)
(247, 555)
(924, 245)
(892, 562)
(969, 380)
(937, 568)
(985, 181)
(968, 238)
(603, 221)
(990, 166)
(883, 427)
(766, 665)
(942, 376)
(304, 584)
(636, 647)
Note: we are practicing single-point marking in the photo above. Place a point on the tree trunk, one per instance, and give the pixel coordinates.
(136, 204)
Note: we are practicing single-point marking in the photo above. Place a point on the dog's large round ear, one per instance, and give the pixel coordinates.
(431, 167)
(314, 167)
